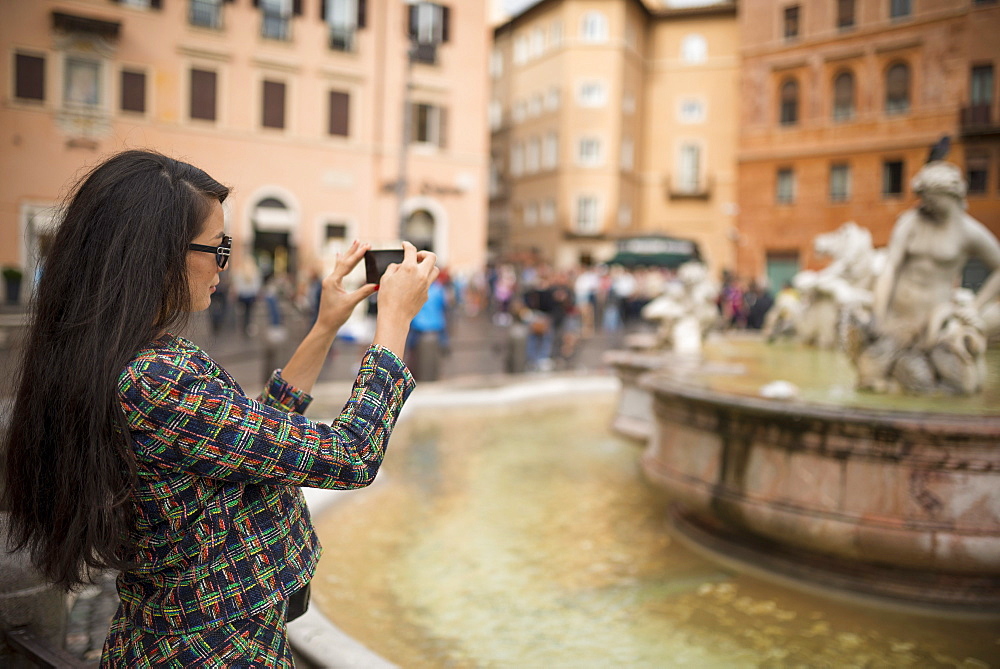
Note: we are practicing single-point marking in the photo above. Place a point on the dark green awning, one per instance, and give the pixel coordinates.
(655, 251)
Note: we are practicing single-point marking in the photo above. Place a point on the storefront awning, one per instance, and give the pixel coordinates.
(655, 251)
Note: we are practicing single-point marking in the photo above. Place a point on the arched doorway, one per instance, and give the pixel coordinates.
(273, 248)
(419, 230)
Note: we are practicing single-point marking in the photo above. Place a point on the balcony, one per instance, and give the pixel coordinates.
(979, 120)
(342, 38)
(679, 188)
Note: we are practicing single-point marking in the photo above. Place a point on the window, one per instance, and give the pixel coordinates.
(536, 43)
(273, 113)
(556, 34)
(548, 213)
(691, 111)
(340, 114)
(520, 50)
(627, 154)
(592, 94)
(981, 85)
(429, 23)
(789, 102)
(694, 49)
(840, 182)
(897, 89)
(428, 124)
(624, 215)
(495, 114)
(495, 176)
(140, 4)
(29, 77)
(628, 104)
(843, 97)
(343, 18)
(205, 13)
(791, 22)
(531, 213)
(203, 93)
(594, 27)
(589, 152)
(892, 177)
(552, 98)
(689, 168)
(978, 174)
(899, 9)
(587, 215)
(535, 105)
(82, 83)
(496, 64)
(550, 151)
(133, 91)
(532, 153)
(276, 18)
(845, 14)
(785, 191)
(516, 159)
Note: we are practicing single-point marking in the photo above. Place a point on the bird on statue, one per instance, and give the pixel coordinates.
(940, 149)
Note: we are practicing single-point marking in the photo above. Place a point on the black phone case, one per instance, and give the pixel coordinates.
(376, 263)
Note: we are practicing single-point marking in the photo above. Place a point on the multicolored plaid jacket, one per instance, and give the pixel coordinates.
(220, 523)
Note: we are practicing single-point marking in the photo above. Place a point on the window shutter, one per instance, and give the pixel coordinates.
(445, 23)
(322, 10)
(29, 77)
(274, 105)
(339, 113)
(411, 26)
(297, 7)
(203, 95)
(256, 3)
(362, 13)
(133, 91)
(156, 4)
(442, 127)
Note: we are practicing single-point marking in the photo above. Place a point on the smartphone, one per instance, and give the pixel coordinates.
(376, 262)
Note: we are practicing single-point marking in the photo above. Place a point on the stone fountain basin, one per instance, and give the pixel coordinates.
(854, 480)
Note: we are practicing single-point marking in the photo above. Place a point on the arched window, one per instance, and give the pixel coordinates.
(694, 49)
(843, 97)
(594, 27)
(789, 102)
(897, 89)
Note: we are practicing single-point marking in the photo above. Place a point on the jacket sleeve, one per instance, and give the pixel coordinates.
(189, 422)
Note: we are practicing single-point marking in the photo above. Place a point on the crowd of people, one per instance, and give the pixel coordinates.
(553, 309)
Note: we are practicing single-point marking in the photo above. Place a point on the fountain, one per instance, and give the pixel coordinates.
(890, 496)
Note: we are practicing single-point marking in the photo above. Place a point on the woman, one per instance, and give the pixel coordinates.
(130, 449)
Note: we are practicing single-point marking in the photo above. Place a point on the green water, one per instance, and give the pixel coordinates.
(743, 366)
(525, 537)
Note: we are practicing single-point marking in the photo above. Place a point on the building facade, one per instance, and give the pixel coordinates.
(842, 104)
(613, 119)
(315, 111)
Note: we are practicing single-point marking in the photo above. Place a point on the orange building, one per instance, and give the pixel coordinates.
(841, 104)
(298, 104)
(614, 119)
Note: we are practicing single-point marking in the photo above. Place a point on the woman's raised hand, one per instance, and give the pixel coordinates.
(402, 293)
(336, 302)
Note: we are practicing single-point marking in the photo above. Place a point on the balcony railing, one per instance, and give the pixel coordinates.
(206, 14)
(342, 38)
(676, 188)
(979, 119)
(276, 27)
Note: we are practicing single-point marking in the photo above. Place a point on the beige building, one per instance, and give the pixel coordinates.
(297, 104)
(614, 119)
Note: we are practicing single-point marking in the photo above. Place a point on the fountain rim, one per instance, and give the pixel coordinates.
(984, 425)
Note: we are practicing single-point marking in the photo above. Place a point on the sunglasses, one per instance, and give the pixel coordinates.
(222, 251)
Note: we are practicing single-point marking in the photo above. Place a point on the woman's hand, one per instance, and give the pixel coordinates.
(402, 293)
(336, 303)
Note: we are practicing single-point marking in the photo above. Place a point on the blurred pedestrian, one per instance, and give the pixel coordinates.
(247, 284)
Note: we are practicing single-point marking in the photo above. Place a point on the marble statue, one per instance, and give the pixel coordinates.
(846, 283)
(686, 310)
(921, 335)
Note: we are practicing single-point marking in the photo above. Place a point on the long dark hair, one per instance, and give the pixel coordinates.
(114, 278)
